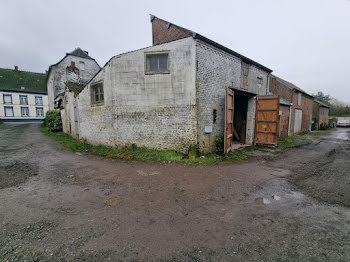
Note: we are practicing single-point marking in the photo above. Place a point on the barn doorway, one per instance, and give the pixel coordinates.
(240, 116)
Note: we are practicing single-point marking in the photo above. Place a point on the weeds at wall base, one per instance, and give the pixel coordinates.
(134, 152)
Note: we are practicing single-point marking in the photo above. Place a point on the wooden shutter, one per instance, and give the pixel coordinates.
(266, 124)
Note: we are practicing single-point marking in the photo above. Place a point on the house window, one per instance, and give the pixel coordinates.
(23, 100)
(325, 110)
(38, 100)
(157, 63)
(299, 99)
(8, 110)
(39, 111)
(81, 65)
(24, 111)
(260, 81)
(7, 99)
(97, 96)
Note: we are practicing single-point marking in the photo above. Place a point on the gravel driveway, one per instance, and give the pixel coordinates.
(56, 205)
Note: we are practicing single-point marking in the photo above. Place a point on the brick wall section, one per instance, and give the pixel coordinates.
(291, 96)
(284, 121)
(306, 106)
(161, 33)
(323, 115)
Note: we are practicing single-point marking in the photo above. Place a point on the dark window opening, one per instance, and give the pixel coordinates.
(214, 116)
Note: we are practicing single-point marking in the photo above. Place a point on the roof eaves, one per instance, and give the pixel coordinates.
(217, 45)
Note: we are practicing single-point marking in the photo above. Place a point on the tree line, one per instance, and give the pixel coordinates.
(336, 108)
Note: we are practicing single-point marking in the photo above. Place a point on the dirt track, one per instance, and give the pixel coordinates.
(60, 206)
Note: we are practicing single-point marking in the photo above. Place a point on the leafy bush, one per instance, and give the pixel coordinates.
(219, 145)
(53, 121)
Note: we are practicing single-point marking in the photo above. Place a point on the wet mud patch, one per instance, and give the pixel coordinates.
(327, 178)
(16, 173)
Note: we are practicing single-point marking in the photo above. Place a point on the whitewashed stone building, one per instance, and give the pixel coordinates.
(76, 66)
(171, 95)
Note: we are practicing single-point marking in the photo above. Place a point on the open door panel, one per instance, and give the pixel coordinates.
(266, 123)
(229, 113)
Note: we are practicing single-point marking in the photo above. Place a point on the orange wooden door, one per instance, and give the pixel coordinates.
(229, 112)
(267, 124)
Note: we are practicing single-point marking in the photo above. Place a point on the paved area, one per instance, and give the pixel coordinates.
(57, 205)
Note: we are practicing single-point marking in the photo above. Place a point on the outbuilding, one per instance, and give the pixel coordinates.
(184, 90)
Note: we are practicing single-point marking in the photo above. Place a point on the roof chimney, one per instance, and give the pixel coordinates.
(16, 68)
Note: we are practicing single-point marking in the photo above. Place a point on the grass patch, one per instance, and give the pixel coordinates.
(134, 152)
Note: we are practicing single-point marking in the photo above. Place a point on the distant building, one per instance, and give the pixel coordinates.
(76, 67)
(301, 110)
(23, 96)
(320, 113)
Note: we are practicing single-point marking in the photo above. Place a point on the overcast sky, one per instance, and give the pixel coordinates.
(306, 42)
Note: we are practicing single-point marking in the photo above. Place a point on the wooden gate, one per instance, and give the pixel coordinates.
(266, 124)
(229, 112)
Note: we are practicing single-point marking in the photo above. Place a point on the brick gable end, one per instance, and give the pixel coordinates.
(164, 32)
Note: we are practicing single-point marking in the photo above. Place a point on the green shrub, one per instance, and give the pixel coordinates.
(53, 121)
(219, 145)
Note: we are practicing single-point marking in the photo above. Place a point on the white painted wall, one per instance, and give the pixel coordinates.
(156, 111)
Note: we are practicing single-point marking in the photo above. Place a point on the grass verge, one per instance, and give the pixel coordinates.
(134, 152)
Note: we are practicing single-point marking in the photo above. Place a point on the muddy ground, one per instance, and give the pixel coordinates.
(56, 205)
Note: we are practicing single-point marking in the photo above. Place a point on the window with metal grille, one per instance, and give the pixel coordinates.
(39, 111)
(38, 100)
(23, 100)
(24, 111)
(157, 63)
(97, 96)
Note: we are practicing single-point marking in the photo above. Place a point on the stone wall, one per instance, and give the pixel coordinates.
(68, 115)
(152, 110)
(58, 75)
(284, 120)
(217, 70)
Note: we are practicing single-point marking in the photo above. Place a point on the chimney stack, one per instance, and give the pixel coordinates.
(16, 68)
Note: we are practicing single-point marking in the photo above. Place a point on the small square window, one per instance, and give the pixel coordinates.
(24, 111)
(157, 63)
(8, 111)
(7, 99)
(39, 111)
(23, 100)
(97, 96)
(38, 100)
(260, 80)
